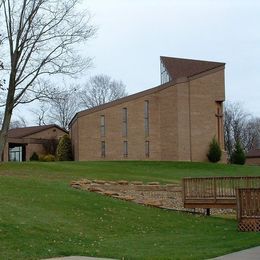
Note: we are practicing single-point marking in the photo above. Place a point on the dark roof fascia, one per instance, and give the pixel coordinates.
(253, 156)
(26, 140)
(127, 99)
(168, 57)
(218, 64)
(34, 131)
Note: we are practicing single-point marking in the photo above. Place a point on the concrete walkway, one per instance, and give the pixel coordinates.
(79, 258)
(248, 254)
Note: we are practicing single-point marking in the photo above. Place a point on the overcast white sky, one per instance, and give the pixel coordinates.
(133, 34)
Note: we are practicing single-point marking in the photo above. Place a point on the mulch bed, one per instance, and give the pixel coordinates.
(168, 196)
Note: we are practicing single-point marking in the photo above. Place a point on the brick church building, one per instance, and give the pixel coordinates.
(174, 121)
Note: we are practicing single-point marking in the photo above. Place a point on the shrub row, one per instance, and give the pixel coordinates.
(63, 152)
(214, 154)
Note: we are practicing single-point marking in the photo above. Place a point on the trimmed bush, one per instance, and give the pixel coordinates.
(34, 157)
(64, 149)
(214, 154)
(49, 158)
(238, 155)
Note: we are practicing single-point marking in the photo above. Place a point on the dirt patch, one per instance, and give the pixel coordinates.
(168, 196)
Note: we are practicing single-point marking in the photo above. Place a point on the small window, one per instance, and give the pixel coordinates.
(147, 149)
(165, 77)
(125, 149)
(102, 126)
(103, 149)
(124, 133)
(146, 118)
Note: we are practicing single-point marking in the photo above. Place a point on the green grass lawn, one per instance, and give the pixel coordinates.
(42, 217)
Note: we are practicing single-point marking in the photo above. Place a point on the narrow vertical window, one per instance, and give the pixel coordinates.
(124, 133)
(146, 118)
(103, 149)
(102, 126)
(147, 149)
(219, 117)
(125, 149)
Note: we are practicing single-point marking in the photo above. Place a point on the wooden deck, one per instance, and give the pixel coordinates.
(248, 209)
(215, 192)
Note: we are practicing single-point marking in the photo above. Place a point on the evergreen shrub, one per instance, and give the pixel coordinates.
(34, 157)
(214, 154)
(238, 155)
(64, 149)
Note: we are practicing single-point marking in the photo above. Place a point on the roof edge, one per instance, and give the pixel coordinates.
(39, 130)
(127, 98)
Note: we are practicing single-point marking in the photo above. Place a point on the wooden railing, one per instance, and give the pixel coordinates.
(248, 209)
(215, 192)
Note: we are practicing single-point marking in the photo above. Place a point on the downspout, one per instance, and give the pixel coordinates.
(189, 98)
(77, 139)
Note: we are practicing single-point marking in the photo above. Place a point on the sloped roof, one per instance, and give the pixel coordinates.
(178, 68)
(254, 153)
(122, 100)
(25, 131)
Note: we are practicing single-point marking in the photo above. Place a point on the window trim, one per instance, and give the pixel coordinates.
(147, 149)
(103, 149)
(125, 149)
(146, 118)
(125, 122)
(102, 126)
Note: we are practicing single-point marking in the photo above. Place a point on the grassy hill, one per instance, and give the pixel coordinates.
(41, 216)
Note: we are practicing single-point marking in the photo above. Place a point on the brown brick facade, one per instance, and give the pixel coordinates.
(182, 122)
(31, 139)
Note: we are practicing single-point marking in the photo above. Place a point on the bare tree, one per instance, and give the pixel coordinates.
(1, 62)
(63, 107)
(239, 126)
(18, 122)
(59, 109)
(1, 117)
(40, 40)
(101, 89)
(40, 114)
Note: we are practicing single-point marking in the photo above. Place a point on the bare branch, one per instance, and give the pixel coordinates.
(239, 127)
(101, 89)
(42, 35)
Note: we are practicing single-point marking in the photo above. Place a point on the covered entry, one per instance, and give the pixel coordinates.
(17, 152)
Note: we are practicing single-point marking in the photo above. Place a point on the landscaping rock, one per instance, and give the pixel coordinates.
(136, 182)
(122, 182)
(153, 183)
(95, 189)
(111, 193)
(167, 196)
(99, 181)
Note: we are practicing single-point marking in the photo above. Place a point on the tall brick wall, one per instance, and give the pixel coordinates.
(204, 92)
(89, 137)
(182, 123)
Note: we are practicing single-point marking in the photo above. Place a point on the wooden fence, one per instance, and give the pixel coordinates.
(248, 209)
(215, 192)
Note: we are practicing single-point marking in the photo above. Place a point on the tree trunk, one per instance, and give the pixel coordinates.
(4, 131)
(8, 114)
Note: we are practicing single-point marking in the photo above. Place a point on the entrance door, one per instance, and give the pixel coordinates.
(16, 152)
